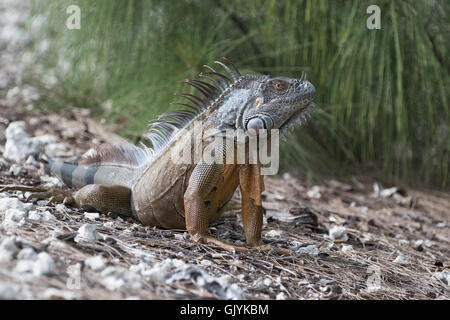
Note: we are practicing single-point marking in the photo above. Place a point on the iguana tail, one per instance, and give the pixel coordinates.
(107, 164)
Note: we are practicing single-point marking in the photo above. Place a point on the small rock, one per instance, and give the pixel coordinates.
(267, 282)
(314, 192)
(52, 182)
(400, 260)
(13, 203)
(24, 266)
(32, 161)
(43, 265)
(15, 170)
(279, 197)
(116, 278)
(274, 233)
(386, 193)
(404, 201)
(201, 278)
(179, 236)
(91, 215)
(87, 232)
(338, 233)
(34, 216)
(27, 254)
(259, 284)
(418, 245)
(61, 208)
(109, 224)
(346, 248)
(96, 263)
(14, 218)
(47, 216)
(444, 276)
(8, 249)
(112, 283)
(19, 146)
(204, 262)
(281, 296)
(311, 250)
(8, 292)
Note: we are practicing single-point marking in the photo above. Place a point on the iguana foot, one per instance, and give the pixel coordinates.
(41, 193)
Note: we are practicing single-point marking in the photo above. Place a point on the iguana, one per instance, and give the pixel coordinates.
(145, 183)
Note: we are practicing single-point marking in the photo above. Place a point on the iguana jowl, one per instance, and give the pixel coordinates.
(143, 181)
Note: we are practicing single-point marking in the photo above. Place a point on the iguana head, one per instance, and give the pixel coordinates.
(278, 103)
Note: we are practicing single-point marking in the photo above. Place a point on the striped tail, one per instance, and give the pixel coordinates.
(78, 175)
(108, 164)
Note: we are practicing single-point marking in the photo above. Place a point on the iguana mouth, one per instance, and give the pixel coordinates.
(297, 118)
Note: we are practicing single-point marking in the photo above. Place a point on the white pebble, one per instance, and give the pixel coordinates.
(338, 233)
(19, 146)
(13, 203)
(91, 215)
(96, 263)
(400, 260)
(47, 216)
(267, 282)
(311, 250)
(14, 218)
(314, 192)
(8, 292)
(281, 296)
(43, 265)
(274, 233)
(27, 254)
(34, 216)
(346, 248)
(15, 170)
(444, 276)
(87, 232)
(8, 248)
(206, 262)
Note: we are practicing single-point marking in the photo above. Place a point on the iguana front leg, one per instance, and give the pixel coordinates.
(201, 181)
(251, 183)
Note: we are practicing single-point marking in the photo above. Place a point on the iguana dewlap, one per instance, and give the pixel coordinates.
(145, 182)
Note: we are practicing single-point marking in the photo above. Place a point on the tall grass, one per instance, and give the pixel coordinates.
(382, 95)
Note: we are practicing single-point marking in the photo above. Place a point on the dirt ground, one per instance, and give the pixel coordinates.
(352, 240)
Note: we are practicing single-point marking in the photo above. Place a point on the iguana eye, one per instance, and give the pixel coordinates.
(278, 85)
